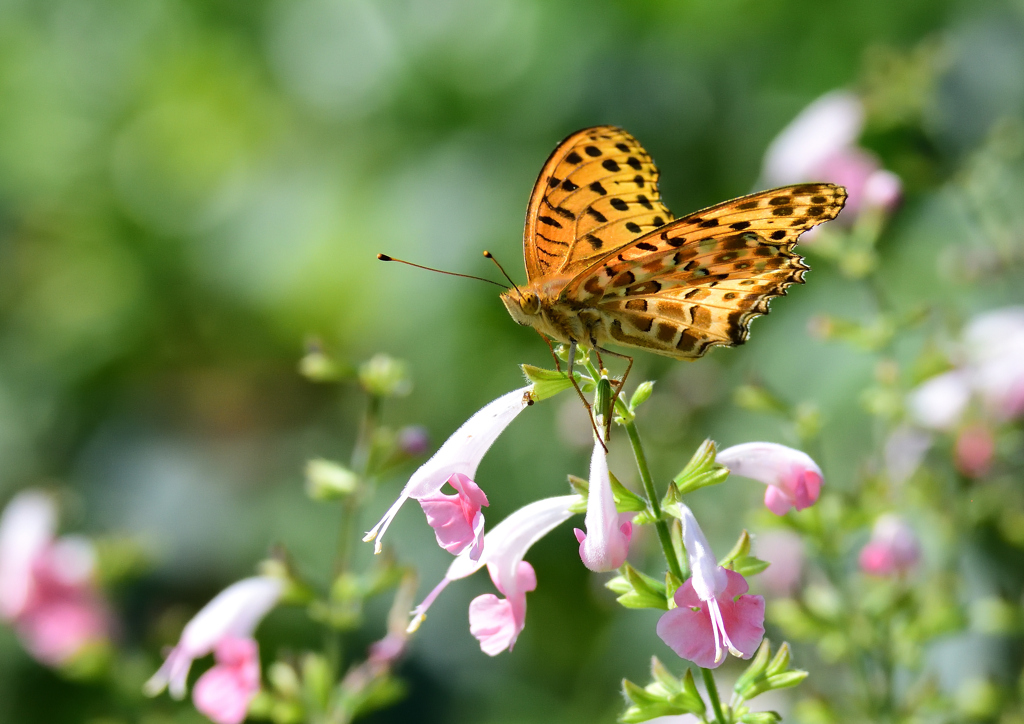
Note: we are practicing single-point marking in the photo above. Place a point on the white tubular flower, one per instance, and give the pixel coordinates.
(794, 480)
(461, 454)
(233, 614)
(605, 545)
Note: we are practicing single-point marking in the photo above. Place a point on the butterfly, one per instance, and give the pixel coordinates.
(607, 263)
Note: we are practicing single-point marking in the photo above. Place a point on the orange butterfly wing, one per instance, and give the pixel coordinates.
(597, 192)
(697, 282)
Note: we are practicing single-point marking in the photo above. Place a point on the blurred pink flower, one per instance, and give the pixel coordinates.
(224, 692)
(784, 550)
(893, 548)
(232, 614)
(994, 345)
(456, 519)
(47, 587)
(605, 545)
(461, 453)
(497, 622)
(413, 440)
(939, 402)
(974, 449)
(820, 145)
(712, 614)
(794, 480)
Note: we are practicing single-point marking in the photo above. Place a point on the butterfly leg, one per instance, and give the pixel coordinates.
(558, 364)
(590, 410)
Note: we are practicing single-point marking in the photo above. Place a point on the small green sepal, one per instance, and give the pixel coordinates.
(626, 501)
(665, 696)
(740, 560)
(701, 471)
(637, 590)
(548, 383)
(763, 675)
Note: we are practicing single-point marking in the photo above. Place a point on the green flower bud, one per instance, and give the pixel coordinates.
(327, 480)
(641, 394)
(284, 679)
(317, 680)
(385, 376)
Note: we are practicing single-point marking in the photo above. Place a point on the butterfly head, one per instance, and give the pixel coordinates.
(523, 306)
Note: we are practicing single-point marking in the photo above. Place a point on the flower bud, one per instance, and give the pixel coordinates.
(385, 376)
(327, 480)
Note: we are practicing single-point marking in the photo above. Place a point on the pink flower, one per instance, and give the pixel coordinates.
(461, 453)
(606, 543)
(794, 480)
(47, 586)
(497, 622)
(939, 402)
(712, 614)
(225, 691)
(233, 614)
(994, 345)
(893, 548)
(784, 550)
(820, 145)
(456, 519)
(974, 450)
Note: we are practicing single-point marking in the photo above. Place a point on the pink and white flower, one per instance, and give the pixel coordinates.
(713, 614)
(893, 548)
(231, 616)
(605, 545)
(820, 144)
(47, 586)
(496, 622)
(460, 454)
(794, 480)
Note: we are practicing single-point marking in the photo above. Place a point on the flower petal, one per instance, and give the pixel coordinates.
(794, 475)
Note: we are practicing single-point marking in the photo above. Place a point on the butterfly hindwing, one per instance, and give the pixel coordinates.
(597, 192)
(699, 281)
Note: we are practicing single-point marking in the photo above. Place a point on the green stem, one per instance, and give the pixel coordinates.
(652, 500)
(716, 704)
(360, 463)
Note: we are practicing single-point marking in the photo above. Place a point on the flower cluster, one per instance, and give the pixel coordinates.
(48, 591)
(711, 614)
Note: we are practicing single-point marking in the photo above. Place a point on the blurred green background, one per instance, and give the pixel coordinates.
(189, 190)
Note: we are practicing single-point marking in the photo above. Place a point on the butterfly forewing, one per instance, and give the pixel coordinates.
(597, 192)
(698, 281)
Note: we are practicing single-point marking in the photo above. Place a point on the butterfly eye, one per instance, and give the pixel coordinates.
(530, 303)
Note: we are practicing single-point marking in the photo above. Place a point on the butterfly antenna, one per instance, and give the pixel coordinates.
(385, 257)
(502, 270)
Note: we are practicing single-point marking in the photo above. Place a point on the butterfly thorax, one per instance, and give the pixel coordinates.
(538, 306)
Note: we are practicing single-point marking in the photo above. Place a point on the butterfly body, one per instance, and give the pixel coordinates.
(607, 263)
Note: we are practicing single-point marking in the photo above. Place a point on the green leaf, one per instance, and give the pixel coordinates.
(638, 695)
(761, 717)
